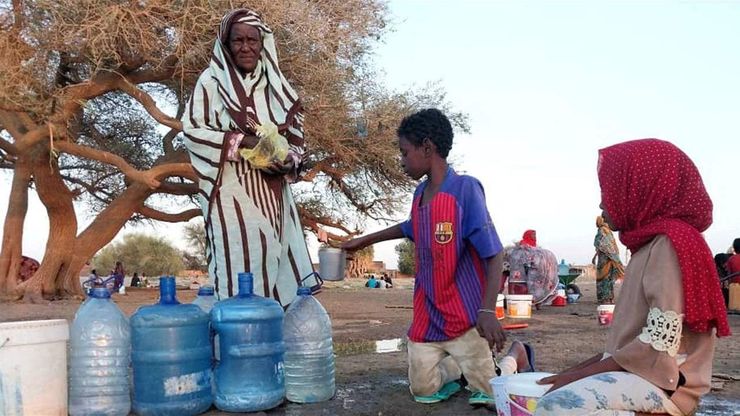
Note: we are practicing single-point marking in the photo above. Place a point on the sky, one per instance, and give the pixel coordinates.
(546, 84)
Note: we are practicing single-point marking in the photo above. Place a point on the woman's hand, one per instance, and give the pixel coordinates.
(490, 328)
(559, 380)
(280, 168)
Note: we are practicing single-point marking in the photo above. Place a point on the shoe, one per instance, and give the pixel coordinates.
(530, 358)
(478, 399)
(447, 391)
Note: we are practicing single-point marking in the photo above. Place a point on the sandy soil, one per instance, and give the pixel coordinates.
(375, 384)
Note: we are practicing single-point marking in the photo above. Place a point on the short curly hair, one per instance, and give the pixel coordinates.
(429, 124)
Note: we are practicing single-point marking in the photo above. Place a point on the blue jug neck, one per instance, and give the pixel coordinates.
(100, 293)
(304, 291)
(246, 285)
(167, 293)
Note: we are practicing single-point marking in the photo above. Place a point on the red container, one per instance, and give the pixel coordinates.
(559, 301)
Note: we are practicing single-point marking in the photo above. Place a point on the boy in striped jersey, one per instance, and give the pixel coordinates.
(459, 260)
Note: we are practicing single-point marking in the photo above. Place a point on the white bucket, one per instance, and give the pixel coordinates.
(605, 314)
(33, 367)
(517, 394)
(332, 262)
(519, 306)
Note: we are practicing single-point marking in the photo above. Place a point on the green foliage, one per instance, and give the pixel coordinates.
(406, 257)
(140, 253)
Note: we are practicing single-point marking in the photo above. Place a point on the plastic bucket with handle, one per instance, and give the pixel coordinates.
(519, 306)
(33, 367)
(517, 394)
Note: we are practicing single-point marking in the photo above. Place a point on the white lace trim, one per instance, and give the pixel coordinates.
(663, 331)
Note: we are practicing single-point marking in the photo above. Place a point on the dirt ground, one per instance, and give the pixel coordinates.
(370, 383)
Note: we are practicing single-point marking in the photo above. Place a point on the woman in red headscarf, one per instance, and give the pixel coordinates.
(529, 238)
(661, 344)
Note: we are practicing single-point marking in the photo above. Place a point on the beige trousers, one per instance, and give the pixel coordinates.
(433, 364)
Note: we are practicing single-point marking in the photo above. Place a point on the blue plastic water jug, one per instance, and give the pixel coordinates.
(309, 354)
(100, 346)
(171, 356)
(250, 376)
(206, 298)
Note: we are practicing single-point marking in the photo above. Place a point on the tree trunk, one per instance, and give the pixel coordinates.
(11, 253)
(58, 200)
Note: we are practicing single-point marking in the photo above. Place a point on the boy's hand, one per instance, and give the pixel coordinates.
(489, 328)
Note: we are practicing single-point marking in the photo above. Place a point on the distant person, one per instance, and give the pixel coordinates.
(733, 264)
(94, 277)
(529, 238)
(388, 281)
(135, 281)
(371, 282)
(609, 268)
(118, 276)
(720, 261)
(459, 257)
(660, 346)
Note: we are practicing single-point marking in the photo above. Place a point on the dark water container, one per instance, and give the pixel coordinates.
(171, 356)
(250, 375)
(99, 347)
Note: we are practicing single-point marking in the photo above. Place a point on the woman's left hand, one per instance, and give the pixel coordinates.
(559, 380)
(280, 168)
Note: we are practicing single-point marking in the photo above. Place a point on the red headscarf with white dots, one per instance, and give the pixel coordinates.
(650, 187)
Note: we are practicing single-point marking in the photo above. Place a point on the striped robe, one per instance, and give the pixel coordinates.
(252, 223)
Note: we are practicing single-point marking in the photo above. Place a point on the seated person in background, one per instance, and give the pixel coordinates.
(388, 281)
(135, 281)
(371, 282)
(733, 264)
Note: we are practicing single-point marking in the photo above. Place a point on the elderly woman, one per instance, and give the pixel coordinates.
(609, 267)
(251, 220)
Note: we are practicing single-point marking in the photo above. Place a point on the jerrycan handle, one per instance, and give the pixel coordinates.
(319, 280)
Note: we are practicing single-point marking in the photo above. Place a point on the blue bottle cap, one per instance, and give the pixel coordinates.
(304, 291)
(206, 290)
(100, 293)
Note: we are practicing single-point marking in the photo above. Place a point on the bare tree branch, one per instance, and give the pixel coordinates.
(177, 188)
(167, 217)
(149, 104)
(109, 158)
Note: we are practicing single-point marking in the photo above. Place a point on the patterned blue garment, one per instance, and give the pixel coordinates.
(616, 393)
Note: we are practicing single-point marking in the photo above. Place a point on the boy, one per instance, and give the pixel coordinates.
(459, 260)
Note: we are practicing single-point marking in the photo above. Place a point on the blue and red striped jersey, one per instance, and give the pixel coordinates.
(453, 234)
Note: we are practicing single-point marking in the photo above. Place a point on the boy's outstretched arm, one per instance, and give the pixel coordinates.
(390, 233)
(488, 326)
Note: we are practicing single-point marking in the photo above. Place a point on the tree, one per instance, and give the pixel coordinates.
(140, 253)
(360, 262)
(195, 236)
(91, 93)
(406, 257)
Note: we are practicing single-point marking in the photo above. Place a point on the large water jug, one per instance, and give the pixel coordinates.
(309, 355)
(171, 356)
(249, 377)
(206, 298)
(99, 347)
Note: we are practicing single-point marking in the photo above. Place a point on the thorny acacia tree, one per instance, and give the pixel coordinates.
(90, 96)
